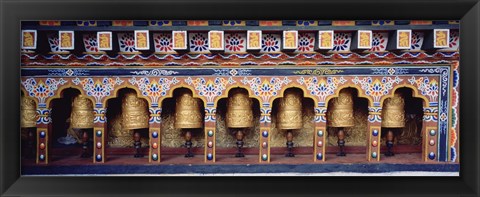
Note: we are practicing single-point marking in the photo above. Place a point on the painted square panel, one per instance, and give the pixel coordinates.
(290, 39)
(90, 42)
(404, 38)
(66, 39)
(271, 43)
(364, 39)
(441, 38)
(198, 42)
(104, 40)
(306, 42)
(325, 39)
(29, 39)
(254, 40)
(142, 40)
(216, 39)
(235, 42)
(179, 40)
(126, 42)
(163, 42)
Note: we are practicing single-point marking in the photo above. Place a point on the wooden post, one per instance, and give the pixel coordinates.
(154, 136)
(99, 133)
(44, 127)
(430, 133)
(374, 133)
(320, 134)
(264, 140)
(210, 131)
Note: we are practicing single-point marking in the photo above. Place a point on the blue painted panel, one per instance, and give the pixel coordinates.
(289, 23)
(140, 23)
(104, 23)
(363, 22)
(179, 23)
(323, 23)
(215, 23)
(251, 23)
(68, 23)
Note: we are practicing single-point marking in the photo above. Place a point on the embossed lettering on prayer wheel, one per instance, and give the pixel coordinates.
(134, 112)
(82, 113)
(393, 112)
(239, 110)
(340, 113)
(29, 113)
(289, 114)
(187, 111)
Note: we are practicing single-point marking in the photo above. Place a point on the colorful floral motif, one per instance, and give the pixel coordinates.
(306, 42)
(163, 42)
(267, 88)
(42, 90)
(198, 42)
(90, 42)
(99, 88)
(341, 42)
(428, 87)
(54, 43)
(126, 41)
(379, 42)
(454, 42)
(235, 42)
(322, 88)
(377, 88)
(208, 88)
(417, 41)
(153, 89)
(270, 43)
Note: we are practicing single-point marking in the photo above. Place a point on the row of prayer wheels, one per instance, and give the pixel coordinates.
(239, 114)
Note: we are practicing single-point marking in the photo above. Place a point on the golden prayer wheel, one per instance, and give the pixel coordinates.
(340, 113)
(187, 111)
(239, 110)
(82, 113)
(290, 114)
(135, 113)
(28, 112)
(393, 112)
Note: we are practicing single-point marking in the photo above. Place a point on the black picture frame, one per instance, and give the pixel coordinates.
(12, 12)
